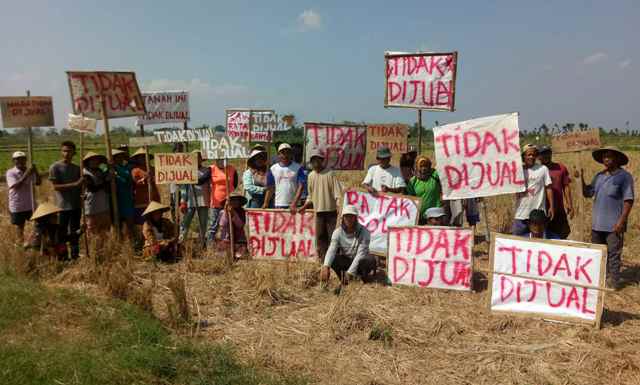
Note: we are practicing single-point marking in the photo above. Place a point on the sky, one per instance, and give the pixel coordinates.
(552, 61)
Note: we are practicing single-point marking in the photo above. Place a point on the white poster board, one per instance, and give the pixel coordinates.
(278, 235)
(221, 146)
(344, 146)
(81, 124)
(165, 107)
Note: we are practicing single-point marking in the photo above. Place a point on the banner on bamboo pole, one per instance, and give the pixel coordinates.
(120, 91)
(394, 136)
(181, 136)
(552, 279)
(343, 146)
(165, 107)
(82, 124)
(379, 213)
(430, 256)
(238, 123)
(282, 236)
(576, 141)
(421, 80)
(178, 168)
(221, 146)
(26, 111)
(479, 157)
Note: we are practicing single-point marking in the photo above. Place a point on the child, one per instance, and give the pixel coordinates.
(159, 234)
(238, 219)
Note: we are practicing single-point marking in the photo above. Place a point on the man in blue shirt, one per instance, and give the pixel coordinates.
(613, 194)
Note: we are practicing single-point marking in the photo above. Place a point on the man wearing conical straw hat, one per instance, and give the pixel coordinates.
(49, 234)
(160, 239)
(96, 198)
(612, 190)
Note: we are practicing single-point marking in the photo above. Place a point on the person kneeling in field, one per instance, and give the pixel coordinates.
(234, 209)
(538, 223)
(436, 216)
(160, 240)
(349, 250)
(48, 235)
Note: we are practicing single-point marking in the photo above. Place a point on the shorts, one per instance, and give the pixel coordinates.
(21, 217)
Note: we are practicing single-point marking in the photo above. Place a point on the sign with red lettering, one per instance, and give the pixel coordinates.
(576, 141)
(26, 111)
(178, 168)
(394, 136)
(281, 236)
(220, 146)
(119, 90)
(430, 256)
(379, 213)
(421, 80)
(165, 107)
(555, 279)
(344, 146)
(239, 122)
(479, 157)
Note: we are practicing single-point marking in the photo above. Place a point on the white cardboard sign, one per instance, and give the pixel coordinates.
(165, 107)
(280, 235)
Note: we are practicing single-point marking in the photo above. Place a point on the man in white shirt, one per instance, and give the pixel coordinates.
(538, 187)
(285, 180)
(384, 177)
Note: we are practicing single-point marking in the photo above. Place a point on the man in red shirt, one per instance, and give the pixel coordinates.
(561, 187)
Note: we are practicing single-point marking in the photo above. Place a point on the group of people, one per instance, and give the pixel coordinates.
(542, 211)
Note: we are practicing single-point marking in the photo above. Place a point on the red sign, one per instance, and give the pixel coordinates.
(343, 146)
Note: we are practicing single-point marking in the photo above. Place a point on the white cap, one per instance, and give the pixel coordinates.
(435, 212)
(349, 209)
(256, 153)
(18, 154)
(284, 146)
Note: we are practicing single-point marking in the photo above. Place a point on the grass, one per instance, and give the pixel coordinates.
(59, 336)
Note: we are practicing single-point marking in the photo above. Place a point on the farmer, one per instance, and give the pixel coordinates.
(20, 179)
(612, 189)
(426, 186)
(538, 191)
(217, 177)
(67, 181)
(194, 199)
(384, 177)
(160, 241)
(285, 181)
(49, 235)
(436, 216)
(124, 192)
(561, 187)
(254, 178)
(324, 193)
(538, 226)
(234, 209)
(96, 197)
(349, 250)
(141, 180)
(408, 164)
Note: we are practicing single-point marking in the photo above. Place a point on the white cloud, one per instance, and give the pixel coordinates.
(595, 58)
(625, 63)
(309, 20)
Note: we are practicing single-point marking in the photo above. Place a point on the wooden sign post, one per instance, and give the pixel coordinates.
(112, 171)
(30, 160)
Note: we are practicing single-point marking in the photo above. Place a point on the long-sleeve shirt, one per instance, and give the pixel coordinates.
(157, 236)
(354, 246)
(253, 184)
(238, 220)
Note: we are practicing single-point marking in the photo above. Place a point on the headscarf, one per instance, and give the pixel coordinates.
(419, 161)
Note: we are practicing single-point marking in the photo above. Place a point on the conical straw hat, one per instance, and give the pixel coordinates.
(45, 209)
(140, 152)
(91, 154)
(153, 207)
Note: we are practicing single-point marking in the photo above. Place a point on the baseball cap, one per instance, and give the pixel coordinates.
(18, 154)
(544, 148)
(316, 152)
(435, 212)
(349, 210)
(284, 146)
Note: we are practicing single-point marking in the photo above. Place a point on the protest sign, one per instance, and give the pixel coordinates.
(555, 279)
(165, 107)
(430, 256)
(239, 122)
(378, 213)
(576, 141)
(178, 168)
(479, 157)
(141, 141)
(120, 91)
(222, 146)
(343, 146)
(394, 136)
(280, 235)
(26, 111)
(421, 80)
(81, 124)
(181, 136)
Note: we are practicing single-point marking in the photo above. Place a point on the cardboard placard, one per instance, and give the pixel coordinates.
(165, 107)
(553, 279)
(26, 111)
(421, 80)
(181, 136)
(430, 256)
(238, 123)
(343, 146)
(380, 213)
(576, 141)
(120, 91)
(224, 147)
(394, 136)
(141, 141)
(81, 124)
(479, 157)
(178, 168)
(278, 235)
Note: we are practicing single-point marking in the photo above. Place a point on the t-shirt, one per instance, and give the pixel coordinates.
(219, 184)
(96, 200)
(20, 198)
(533, 198)
(610, 191)
(286, 180)
(324, 188)
(124, 190)
(559, 181)
(378, 176)
(63, 173)
(427, 190)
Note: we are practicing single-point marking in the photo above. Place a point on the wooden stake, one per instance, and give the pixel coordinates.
(107, 142)
(30, 162)
(147, 165)
(227, 208)
(82, 192)
(419, 132)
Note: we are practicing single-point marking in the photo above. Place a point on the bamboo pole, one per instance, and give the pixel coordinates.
(227, 208)
(82, 192)
(419, 132)
(107, 142)
(30, 161)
